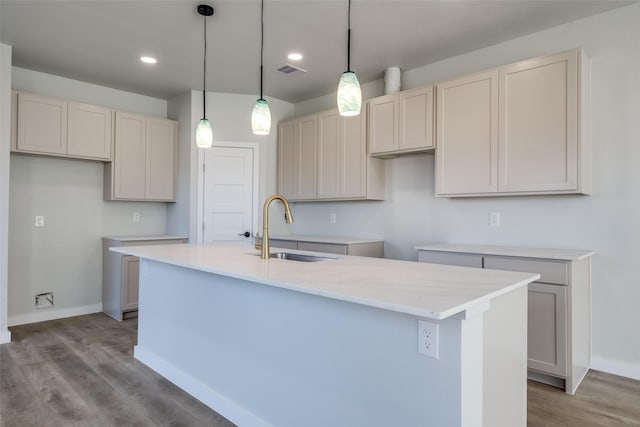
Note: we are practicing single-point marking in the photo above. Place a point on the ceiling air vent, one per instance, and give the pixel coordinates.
(289, 70)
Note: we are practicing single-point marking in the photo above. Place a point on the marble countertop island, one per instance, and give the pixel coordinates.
(426, 290)
(339, 342)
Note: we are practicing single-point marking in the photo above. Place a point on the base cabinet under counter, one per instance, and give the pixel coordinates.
(559, 303)
(120, 273)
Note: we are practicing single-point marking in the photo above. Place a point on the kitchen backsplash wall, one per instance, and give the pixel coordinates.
(607, 221)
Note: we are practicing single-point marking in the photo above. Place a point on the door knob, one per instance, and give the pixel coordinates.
(245, 234)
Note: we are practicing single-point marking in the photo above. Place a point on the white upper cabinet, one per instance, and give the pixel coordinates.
(401, 122)
(323, 156)
(42, 124)
(307, 178)
(161, 159)
(415, 114)
(297, 158)
(383, 124)
(129, 162)
(467, 136)
(539, 128)
(287, 164)
(144, 161)
(89, 131)
(56, 127)
(520, 129)
(342, 156)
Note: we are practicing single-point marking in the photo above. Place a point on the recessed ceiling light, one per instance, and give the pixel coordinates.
(295, 56)
(148, 60)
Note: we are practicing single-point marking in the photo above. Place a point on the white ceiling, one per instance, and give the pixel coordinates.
(100, 41)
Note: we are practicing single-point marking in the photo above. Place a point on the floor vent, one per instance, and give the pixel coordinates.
(289, 70)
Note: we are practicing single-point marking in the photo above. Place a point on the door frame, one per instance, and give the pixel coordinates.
(255, 147)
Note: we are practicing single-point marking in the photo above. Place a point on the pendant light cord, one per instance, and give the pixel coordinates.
(204, 72)
(349, 38)
(261, 43)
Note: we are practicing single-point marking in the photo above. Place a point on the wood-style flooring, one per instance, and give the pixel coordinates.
(80, 371)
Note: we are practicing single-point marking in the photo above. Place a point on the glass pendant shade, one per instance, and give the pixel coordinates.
(349, 94)
(204, 134)
(261, 118)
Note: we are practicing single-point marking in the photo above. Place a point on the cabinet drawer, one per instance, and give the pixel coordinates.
(323, 247)
(154, 242)
(285, 244)
(556, 272)
(464, 260)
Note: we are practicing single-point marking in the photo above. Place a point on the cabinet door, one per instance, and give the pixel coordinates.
(130, 282)
(307, 158)
(547, 333)
(383, 124)
(330, 155)
(130, 156)
(287, 163)
(539, 124)
(160, 159)
(42, 124)
(467, 135)
(416, 119)
(353, 171)
(89, 131)
(284, 244)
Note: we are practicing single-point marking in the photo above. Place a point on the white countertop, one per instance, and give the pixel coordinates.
(325, 239)
(425, 290)
(144, 238)
(559, 254)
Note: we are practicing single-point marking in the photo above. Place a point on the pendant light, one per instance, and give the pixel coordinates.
(349, 93)
(204, 132)
(261, 116)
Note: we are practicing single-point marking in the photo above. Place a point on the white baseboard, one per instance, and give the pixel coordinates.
(210, 397)
(5, 336)
(51, 314)
(624, 369)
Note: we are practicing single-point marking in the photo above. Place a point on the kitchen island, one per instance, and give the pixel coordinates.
(336, 342)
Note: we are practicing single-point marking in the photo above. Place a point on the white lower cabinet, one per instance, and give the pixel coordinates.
(130, 282)
(547, 333)
(559, 307)
(120, 273)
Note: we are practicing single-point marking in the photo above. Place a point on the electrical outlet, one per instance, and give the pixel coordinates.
(44, 300)
(136, 217)
(332, 218)
(494, 219)
(39, 221)
(428, 339)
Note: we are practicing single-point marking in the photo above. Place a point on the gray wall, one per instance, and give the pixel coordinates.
(607, 221)
(230, 116)
(65, 256)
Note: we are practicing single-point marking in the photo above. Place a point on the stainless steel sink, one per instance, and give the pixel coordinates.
(300, 257)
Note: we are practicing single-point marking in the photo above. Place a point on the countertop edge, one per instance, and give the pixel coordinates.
(429, 314)
(509, 251)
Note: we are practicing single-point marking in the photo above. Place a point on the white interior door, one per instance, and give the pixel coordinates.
(228, 194)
